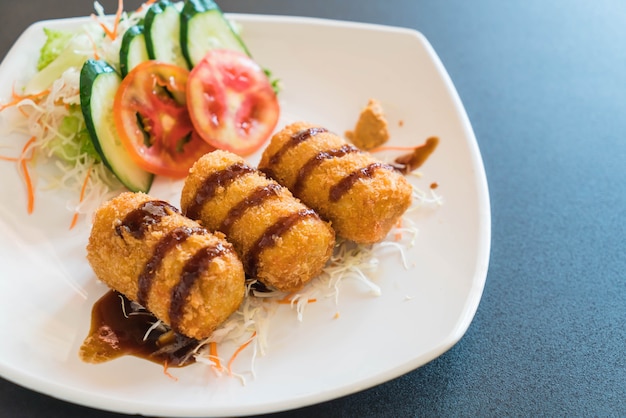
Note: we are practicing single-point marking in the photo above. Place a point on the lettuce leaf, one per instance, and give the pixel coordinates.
(73, 140)
(56, 41)
(74, 54)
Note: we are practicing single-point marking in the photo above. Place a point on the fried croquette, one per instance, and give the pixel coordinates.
(282, 242)
(362, 197)
(186, 276)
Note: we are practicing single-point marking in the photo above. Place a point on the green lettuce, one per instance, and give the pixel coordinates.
(73, 126)
(56, 42)
(74, 54)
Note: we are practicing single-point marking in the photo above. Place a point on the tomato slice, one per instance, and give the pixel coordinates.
(152, 120)
(231, 101)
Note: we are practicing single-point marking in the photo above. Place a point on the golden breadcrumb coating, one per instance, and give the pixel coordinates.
(282, 242)
(361, 197)
(193, 284)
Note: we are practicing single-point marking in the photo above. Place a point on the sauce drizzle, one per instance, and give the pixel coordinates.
(294, 140)
(256, 198)
(271, 235)
(119, 327)
(311, 164)
(137, 221)
(342, 187)
(209, 186)
(192, 270)
(415, 159)
(165, 244)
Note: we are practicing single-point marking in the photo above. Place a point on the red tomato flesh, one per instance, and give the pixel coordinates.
(152, 119)
(231, 102)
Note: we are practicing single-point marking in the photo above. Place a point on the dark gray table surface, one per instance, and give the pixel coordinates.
(544, 85)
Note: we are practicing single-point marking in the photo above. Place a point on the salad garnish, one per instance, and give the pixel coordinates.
(49, 109)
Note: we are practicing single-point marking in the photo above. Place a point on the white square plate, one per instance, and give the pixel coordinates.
(329, 70)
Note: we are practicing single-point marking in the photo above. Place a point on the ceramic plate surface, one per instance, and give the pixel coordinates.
(329, 70)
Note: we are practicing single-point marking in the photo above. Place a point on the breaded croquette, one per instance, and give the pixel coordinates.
(283, 243)
(186, 276)
(362, 197)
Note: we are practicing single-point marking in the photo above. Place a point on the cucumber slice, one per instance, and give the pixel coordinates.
(203, 27)
(133, 49)
(98, 84)
(162, 31)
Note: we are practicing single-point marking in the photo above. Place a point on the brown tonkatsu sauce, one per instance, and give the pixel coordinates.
(210, 185)
(343, 186)
(119, 328)
(192, 270)
(165, 244)
(256, 198)
(337, 190)
(418, 156)
(137, 221)
(306, 170)
(270, 235)
(294, 140)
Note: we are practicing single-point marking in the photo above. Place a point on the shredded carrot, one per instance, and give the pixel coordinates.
(23, 160)
(80, 199)
(23, 112)
(26, 147)
(111, 33)
(5, 158)
(32, 96)
(239, 350)
(118, 16)
(167, 373)
(17, 98)
(217, 365)
(287, 300)
(392, 148)
(29, 187)
(104, 27)
(143, 6)
(94, 46)
(398, 234)
(22, 155)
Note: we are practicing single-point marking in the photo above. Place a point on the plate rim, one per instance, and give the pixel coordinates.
(472, 300)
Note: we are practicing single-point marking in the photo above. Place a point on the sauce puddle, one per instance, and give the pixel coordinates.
(120, 327)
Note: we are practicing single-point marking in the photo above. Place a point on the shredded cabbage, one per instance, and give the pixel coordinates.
(348, 262)
(49, 111)
(57, 124)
